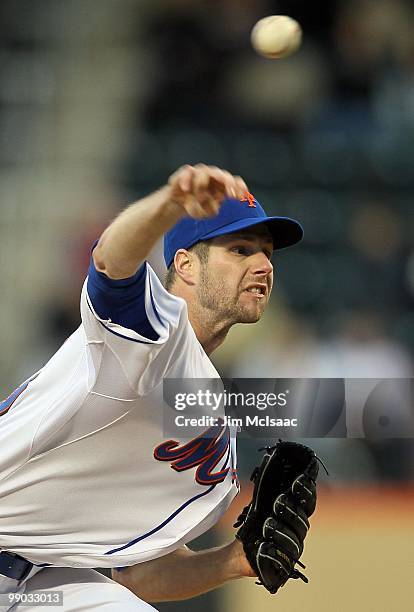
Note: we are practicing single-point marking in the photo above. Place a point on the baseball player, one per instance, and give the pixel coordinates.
(86, 478)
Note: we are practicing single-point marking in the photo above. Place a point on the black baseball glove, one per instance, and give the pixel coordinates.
(274, 525)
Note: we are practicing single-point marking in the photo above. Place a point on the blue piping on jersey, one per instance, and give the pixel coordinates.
(117, 333)
(227, 458)
(122, 336)
(167, 520)
(6, 404)
(127, 337)
(173, 515)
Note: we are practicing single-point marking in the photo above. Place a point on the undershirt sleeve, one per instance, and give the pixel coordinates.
(122, 301)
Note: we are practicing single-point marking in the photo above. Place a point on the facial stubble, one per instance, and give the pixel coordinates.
(223, 302)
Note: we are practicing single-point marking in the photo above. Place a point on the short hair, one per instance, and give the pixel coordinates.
(200, 249)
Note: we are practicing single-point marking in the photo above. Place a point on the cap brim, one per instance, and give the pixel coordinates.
(285, 231)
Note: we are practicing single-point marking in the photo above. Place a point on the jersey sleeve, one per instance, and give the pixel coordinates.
(131, 322)
(122, 301)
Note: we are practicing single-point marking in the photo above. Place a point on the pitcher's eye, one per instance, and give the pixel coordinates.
(240, 250)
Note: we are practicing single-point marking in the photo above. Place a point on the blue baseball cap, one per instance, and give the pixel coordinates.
(234, 215)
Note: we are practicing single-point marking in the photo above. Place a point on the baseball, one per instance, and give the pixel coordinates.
(276, 36)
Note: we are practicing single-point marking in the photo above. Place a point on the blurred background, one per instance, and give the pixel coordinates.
(101, 101)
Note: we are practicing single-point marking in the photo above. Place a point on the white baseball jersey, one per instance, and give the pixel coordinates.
(85, 475)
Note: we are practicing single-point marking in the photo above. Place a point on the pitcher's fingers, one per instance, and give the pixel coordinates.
(241, 186)
(221, 180)
(229, 184)
(235, 186)
(181, 179)
(210, 204)
(201, 180)
(210, 179)
(196, 209)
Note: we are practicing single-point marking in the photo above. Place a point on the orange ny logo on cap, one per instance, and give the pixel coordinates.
(249, 198)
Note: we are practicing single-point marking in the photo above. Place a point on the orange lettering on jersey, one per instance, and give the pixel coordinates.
(249, 198)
